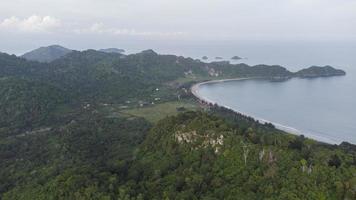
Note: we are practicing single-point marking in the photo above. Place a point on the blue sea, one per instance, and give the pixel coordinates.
(323, 108)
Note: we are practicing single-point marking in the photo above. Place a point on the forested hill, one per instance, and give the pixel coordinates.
(201, 155)
(145, 65)
(98, 76)
(46, 54)
(96, 125)
(316, 71)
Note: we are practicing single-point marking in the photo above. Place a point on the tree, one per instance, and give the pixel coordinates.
(334, 161)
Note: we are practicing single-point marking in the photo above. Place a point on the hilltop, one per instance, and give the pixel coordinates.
(46, 54)
(316, 71)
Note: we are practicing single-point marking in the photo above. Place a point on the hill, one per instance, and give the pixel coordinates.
(93, 75)
(143, 78)
(195, 155)
(316, 71)
(46, 54)
(96, 125)
(25, 104)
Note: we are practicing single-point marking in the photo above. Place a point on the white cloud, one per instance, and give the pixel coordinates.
(33, 23)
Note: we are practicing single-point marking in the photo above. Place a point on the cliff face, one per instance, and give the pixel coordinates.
(316, 71)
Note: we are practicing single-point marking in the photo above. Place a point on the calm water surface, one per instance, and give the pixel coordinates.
(321, 108)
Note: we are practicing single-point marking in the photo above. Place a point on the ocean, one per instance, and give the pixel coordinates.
(323, 108)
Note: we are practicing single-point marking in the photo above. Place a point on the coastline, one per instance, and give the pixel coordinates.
(290, 130)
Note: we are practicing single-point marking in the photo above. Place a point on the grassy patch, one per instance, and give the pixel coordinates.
(156, 112)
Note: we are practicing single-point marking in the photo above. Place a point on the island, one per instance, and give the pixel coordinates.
(218, 58)
(316, 71)
(236, 58)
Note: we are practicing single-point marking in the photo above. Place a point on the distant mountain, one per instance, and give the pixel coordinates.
(236, 58)
(148, 52)
(112, 50)
(316, 71)
(46, 54)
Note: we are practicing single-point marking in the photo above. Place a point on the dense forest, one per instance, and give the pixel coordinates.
(69, 129)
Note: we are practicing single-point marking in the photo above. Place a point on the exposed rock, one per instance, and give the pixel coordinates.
(200, 140)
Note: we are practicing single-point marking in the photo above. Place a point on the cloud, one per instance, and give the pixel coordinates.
(100, 28)
(187, 19)
(33, 23)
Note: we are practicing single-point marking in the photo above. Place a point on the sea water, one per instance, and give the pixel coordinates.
(322, 108)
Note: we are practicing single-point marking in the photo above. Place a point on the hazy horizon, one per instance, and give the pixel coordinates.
(83, 24)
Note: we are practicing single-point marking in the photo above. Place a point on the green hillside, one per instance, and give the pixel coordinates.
(200, 156)
(96, 125)
(25, 103)
(194, 155)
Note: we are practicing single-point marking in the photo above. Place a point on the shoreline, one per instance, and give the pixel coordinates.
(290, 130)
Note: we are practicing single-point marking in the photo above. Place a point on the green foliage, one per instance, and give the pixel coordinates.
(64, 134)
(156, 112)
(24, 103)
(316, 71)
(191, 168)
(72, 159)
(97, 76)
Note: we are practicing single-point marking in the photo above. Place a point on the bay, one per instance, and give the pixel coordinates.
(323, 108)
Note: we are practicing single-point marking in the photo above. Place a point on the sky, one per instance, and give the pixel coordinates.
(82, 24)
